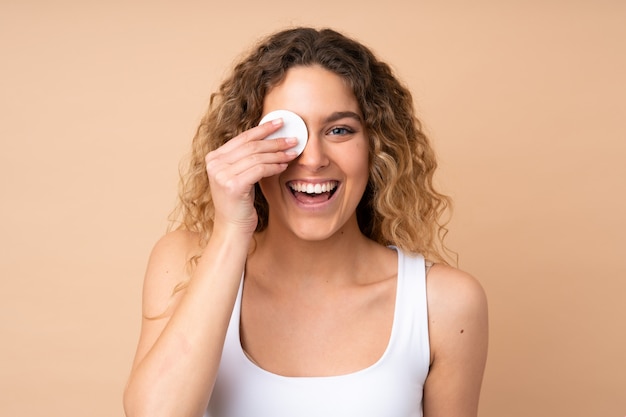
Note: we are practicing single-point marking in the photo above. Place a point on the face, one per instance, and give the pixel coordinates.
(316, 197)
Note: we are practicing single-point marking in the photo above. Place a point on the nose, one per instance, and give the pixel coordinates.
(314, 156)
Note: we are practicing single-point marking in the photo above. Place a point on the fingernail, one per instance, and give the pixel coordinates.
(277, 122)
(291, 141)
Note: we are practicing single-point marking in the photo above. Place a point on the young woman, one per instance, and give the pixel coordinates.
(312, 284)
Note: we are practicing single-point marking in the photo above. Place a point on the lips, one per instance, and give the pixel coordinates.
(312, 192)
(312, 188)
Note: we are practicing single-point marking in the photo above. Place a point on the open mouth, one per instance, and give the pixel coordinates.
(309, 193)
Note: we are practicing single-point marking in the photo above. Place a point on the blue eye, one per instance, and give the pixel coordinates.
(340, 131)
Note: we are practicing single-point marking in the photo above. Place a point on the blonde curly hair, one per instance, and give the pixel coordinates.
(400, 206)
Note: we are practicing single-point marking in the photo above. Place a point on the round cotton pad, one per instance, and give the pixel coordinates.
(293, 127)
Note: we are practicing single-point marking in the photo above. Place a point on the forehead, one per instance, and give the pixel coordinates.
(311, 91)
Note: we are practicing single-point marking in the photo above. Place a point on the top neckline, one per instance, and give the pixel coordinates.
(236, 320)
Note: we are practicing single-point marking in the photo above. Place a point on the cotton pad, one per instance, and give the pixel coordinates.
(293, 127)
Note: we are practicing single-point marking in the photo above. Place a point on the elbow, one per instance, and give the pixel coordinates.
(130, 403)
(137, 405)
(143, 400)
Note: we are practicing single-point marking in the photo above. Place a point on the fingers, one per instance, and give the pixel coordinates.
(254, 149)
(247, 158)
(236, 166)
(245, 172)
(251, 141)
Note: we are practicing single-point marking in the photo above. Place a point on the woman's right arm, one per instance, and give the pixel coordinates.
(178, 354)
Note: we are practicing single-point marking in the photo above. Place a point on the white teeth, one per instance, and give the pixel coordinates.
(309, 188)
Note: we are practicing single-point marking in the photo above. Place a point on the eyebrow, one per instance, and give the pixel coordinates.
(343, 114)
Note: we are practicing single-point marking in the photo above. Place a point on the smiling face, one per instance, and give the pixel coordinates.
(317, 195)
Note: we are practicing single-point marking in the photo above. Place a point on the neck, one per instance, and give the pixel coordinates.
(290, 259)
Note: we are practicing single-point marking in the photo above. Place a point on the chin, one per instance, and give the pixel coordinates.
(316, 231)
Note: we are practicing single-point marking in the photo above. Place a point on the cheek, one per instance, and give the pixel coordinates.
(360, 159)
(357, 168)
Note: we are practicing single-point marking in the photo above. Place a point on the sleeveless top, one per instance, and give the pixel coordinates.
(391, 387)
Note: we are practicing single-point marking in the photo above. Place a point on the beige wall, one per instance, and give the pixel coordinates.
(525, 102)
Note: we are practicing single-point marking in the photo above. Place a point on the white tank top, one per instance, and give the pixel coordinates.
(391, 387)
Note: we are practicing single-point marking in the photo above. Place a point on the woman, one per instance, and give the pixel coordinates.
(292, 301)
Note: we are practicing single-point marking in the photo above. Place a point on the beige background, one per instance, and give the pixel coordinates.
(524, 100)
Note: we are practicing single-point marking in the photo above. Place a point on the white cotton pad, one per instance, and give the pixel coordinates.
(293, 127)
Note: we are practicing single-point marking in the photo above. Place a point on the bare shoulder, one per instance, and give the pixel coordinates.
(167, 267)
(175, 243)
(457, 306)
(453, 291)
(458, 331)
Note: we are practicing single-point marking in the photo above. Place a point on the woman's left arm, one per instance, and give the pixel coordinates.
(458, 328)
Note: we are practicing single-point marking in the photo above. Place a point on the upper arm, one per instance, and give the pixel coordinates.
(167, 268)
(458, 329)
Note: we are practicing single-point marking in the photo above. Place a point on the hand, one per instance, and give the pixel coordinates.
(236, 166)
